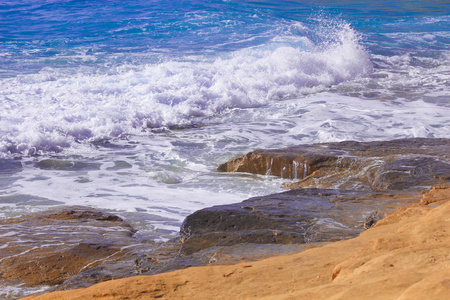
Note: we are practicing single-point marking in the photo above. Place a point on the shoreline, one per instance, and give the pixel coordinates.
(404, 256)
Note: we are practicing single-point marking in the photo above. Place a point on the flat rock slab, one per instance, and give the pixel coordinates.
(69, 247)
(293, 217)
(49, 247)
(391, 165)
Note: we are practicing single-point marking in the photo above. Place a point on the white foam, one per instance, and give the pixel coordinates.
(171, 176)
(57, 108)
(329, 117)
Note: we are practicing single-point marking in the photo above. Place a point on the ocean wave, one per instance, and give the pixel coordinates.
(57, 108)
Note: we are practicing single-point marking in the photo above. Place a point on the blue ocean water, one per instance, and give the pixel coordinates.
(176, 63)
(131, 105)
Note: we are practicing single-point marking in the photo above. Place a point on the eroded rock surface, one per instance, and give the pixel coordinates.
(392, 165)
(66, 248)
(343, 188)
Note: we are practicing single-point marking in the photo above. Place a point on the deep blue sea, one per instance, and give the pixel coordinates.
(130, 106)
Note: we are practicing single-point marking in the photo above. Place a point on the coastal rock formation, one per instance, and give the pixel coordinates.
(404, 256)
(65, 248)
(437, 195)
(392, 165)
(296, 216)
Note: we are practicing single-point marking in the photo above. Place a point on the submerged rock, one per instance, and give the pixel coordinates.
(71, 247)
(392, 165)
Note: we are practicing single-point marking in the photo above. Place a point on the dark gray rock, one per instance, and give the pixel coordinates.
(76, 247)
(67, 165)
(292, 217)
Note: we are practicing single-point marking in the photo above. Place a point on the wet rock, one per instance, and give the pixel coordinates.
(221, 255)
(8, 171)
(292, 217)
(392, 165)
(76, 247)
(406, 256)
(404, 173)
(9, 165)
(50, 247)
(47, 267)
(340, 186)
(66, 165)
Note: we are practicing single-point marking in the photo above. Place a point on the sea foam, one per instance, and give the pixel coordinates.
(58, 108)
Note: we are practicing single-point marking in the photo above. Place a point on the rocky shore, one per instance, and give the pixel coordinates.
(404, 256)
(338, 192)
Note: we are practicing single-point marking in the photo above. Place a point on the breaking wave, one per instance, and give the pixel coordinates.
(57, 108)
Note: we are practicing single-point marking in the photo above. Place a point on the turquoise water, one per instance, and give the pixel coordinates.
(57, 34)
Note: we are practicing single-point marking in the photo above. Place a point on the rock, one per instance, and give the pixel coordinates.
(9, 168)
(404, 173)
(64, 248)
(48, 248)
(292, 217)
(9, 165)
(392, 165)
(76, 247)
(66, 165)
(436, 195)
(405, 256)
(350, 181)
